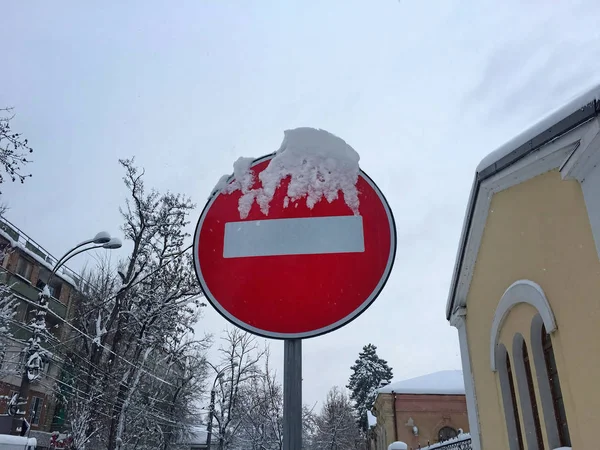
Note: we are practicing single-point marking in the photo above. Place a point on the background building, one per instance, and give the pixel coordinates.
(525, 293)
(420, 411)
(25, 267)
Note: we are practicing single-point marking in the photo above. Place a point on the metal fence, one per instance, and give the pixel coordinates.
(463, 444)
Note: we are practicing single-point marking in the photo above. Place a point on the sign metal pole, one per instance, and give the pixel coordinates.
(292, 394)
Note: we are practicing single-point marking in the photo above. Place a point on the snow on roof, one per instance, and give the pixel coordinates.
(445, 382)
(318, 164)
(397, 446)
(577, 102)
(38, 258)
(371, 419)
(546, 130)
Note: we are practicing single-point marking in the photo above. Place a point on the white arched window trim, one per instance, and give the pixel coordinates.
(511, 418)
(522, 291)
(537, 351)
(522, 388)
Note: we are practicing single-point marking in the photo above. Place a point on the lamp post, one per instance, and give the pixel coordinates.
(211, 408)
(34, 352)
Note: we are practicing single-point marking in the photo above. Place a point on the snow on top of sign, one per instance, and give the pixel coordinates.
(243, 180)
(221, 184)
(319, 165)
(446, 382)
(398, 445)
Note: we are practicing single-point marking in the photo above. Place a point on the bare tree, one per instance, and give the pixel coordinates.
(135, 318)
(238, 366)
(13, 149)
(336, 424)
(309, 427)
(184, 366)
(261, 401)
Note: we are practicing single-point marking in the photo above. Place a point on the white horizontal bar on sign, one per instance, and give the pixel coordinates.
(305, 236)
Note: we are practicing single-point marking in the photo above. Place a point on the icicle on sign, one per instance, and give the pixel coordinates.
(297, 243)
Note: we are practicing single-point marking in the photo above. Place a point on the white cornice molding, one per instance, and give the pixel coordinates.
(585, 157)
(457, 319)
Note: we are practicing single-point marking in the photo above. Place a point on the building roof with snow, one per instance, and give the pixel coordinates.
(445, 382)
(580, 110)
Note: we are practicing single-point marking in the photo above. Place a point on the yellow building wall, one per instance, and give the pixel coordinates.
(539, 230)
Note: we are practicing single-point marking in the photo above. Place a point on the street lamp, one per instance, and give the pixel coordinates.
(211, 408)
(34, 349)
(101, 240)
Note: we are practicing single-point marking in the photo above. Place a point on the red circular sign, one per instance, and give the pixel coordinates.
(296, 272)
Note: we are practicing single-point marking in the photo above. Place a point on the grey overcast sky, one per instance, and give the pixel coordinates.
(421, 89)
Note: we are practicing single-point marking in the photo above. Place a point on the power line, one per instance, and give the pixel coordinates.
(93, 340)
(112, 377)
(59, 343)
(166, 422)
(105, 402)
(65, 356)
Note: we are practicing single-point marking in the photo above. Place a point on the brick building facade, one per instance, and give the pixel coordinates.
(419, 411)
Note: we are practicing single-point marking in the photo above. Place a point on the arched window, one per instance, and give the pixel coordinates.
(532, 399)
(510, 405)
(557, 398)
(446, 433)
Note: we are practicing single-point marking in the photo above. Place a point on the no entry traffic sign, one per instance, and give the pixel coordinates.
(300, 268)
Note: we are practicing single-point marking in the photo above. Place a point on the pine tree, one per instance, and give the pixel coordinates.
(368, 374)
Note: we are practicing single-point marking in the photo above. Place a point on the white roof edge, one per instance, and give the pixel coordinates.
(462, 242)
(577, 102)
(444, 382)
(22, 248)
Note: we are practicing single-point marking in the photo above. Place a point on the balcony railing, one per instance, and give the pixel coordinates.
(453, 444)
(40, 253)
(25, 289)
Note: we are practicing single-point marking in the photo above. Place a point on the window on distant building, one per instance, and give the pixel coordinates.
(36, 410)
(446, 433)
(557, 398)
(4, 249)
(55, 285)
(24, 268)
